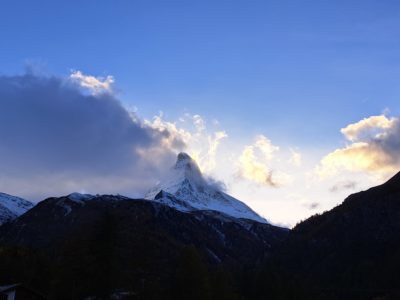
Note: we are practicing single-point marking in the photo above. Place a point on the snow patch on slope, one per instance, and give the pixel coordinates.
(169, 200)
(77, 197)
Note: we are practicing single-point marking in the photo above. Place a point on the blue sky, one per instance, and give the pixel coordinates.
(294, 71)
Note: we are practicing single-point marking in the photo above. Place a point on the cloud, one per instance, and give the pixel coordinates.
(95, 85)
(213, 144)
(55, 139)
(200, 142)
(367, 128)
(199, 123)
(173, 136)
(313, 205)
(374, 147)
(296, 158)
(343, 185)
(254, 163)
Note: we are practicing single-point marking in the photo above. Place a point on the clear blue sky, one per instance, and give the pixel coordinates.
(294, 71)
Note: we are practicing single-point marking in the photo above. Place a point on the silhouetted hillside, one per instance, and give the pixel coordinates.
(108, 243)
(350, 252)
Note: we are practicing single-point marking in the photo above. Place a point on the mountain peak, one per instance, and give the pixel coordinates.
(186, 183)
(187, 169)
(184, 161)
(183, 156)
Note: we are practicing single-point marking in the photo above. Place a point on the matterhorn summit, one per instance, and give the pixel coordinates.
(186, 189)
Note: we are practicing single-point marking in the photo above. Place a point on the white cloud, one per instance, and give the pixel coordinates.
(200, 142)
(266, 147)
(296, 158)
(199, 123)
(254, 163)
(172, 136)
(213, 144)
(95, 85)
(368, 128)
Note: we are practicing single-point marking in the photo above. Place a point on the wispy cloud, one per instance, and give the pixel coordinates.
(296, 158)
(254, 163)
(343, 185)
(95, 85)
(200, 141)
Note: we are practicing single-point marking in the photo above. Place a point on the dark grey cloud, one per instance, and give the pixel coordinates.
(51, 133)
(312, 205)
(389, 143)
(343, 185)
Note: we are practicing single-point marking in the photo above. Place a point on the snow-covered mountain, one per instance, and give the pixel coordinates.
(11, 207)
(186, 189)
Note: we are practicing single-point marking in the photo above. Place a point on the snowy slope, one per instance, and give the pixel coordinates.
(71, 201)
(192, 192)
(11, 207)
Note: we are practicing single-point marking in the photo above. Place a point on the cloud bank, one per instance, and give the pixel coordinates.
(55, 138)
(374, 146)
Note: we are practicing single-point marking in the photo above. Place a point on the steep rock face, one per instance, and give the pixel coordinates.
(11, 207)
(186, 183)
(352, 251)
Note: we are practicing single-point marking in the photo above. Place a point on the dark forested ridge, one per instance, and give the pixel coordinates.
(136, 249)
(350, 252)
(76, 249)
